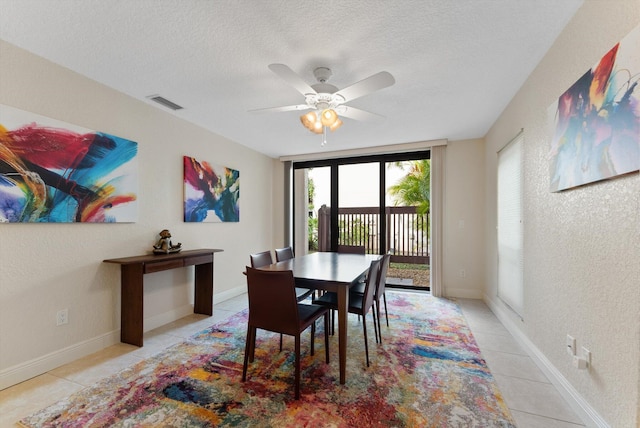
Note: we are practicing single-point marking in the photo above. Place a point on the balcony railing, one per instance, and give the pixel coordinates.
(407, 232)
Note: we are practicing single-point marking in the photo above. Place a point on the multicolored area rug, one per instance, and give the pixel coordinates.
(428, 373)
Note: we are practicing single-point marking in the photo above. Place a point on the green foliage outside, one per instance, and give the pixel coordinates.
(414, 189)
(313, 233)
(312, 226)
(409, 266)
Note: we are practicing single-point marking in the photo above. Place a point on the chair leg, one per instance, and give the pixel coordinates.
(297, 368)
(377, 309)
(333, 322)
(366, 344)
(375, 322)
(326, 336)
(386, 314)
(247, 351)
(313, 336)
(252, 345)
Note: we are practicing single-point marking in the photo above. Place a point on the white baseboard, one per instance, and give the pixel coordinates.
(463, 293)
(583, 409)
(37, 366)
(229, 294)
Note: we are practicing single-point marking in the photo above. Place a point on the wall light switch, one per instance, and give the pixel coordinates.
(571, 345)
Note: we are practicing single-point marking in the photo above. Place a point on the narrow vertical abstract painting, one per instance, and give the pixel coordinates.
(55, 172)
(211, 192)
(596, 122)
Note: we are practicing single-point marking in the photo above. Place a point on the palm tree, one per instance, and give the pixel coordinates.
(413, 189)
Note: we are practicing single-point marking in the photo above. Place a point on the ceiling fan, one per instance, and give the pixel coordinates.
(326, 101)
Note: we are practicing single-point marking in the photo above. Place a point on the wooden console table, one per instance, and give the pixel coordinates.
(132, 270)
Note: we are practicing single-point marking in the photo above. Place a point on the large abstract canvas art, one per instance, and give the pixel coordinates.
(596, 122)
(55, 172)
(211, 192)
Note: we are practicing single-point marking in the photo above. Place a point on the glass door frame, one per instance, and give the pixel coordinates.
(334, 163)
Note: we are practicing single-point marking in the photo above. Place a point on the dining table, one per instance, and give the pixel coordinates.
(329, 271)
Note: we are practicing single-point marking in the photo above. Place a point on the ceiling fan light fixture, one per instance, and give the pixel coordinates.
(317, 127)
(308, 120)
(337, 124)
(326, 100)
(328, 117)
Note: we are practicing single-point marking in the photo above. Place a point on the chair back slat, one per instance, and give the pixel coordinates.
(261, 259)
(284, 254)
(272, 300)
(370, 286)
(382, 276)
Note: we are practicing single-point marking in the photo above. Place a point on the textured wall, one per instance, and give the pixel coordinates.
(581, 246)
(47, 267)
(464, 205)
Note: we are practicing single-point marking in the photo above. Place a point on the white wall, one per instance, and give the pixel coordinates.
(581, 246)
(47, 267)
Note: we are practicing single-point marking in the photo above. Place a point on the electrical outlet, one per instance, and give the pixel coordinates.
(62, 317)
(463, 273)
(571, 345)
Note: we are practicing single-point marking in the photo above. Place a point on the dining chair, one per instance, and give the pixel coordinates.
(284, 254)
(273, 307)
(260, 259)
(359, 304)
(380, 291)
(351, 249)
(264, 258)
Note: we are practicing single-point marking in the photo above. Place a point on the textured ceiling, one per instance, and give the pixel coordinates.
(456, 63)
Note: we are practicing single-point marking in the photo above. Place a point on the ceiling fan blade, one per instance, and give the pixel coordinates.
(279, 109)
(292, 78)
(366, 86)
(357, 114)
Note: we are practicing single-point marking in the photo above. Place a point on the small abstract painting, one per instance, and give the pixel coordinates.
(55, 172)
(596, 122)
(211, 192)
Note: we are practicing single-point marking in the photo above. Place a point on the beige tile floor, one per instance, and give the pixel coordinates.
(532, 399)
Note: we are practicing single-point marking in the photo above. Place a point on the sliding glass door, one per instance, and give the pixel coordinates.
(382, 204)
(359, 206)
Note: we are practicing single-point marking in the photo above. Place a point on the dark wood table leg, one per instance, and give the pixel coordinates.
(343, 306)
(203, 300)
(131, 312)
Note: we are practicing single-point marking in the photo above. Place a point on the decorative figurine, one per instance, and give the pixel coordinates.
(164, 245)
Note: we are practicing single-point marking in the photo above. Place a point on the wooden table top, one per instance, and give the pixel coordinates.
(152, 257)
(330, 267)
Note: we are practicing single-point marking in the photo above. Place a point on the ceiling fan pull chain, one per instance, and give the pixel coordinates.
(324, 136)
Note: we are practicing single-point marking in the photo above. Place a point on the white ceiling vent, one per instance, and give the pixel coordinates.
(165, 102)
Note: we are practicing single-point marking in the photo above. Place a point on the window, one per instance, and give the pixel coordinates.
(510, 231)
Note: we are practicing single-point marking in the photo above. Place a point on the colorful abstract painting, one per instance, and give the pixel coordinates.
(211, 192)
(596, 122)
(54, 172)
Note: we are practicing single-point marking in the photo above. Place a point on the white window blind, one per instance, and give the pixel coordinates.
(510, 230)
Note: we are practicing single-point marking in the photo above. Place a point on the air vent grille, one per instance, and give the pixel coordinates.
(165, 102)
